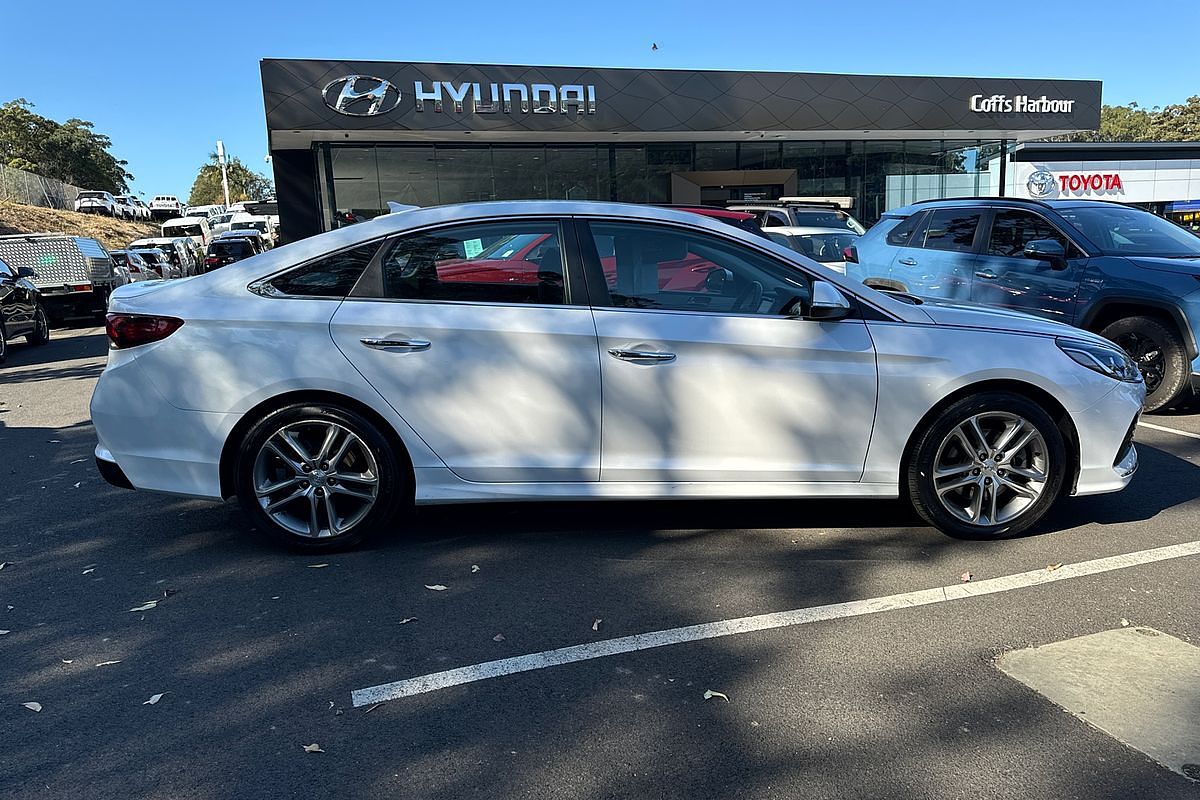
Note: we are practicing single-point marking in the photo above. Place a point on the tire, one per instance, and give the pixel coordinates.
(41, 327)
(3, 345)
(941, 444)
(265, 460)
(1159, 352)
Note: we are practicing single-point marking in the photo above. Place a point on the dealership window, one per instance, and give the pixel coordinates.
(715, 156)
(629, 174)
(519, 173)
(464, 174)
(508, 262)
(407, 175)
(576, 173)
(808, 159)
(356, 181)
(647, 266)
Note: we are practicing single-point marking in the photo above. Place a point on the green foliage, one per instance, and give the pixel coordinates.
(1179, 122)
(1175, 123)
(71, 151)
(244, 183)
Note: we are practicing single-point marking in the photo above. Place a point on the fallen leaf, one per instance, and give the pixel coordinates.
(89, 569)
(1052, 567)
(372, 708)
(499, 637)
(407, 620)
(169, 592)
(596, 624)
(710, 694)
(108, 663)
(33, 706)
(966, 576)
(145, 606)
(154, 698)
(1124, 622)
(437, 587)
(4, 564)
(67, 660)
(474, 568)
(53, 441)
(313, 748)
(79, 461)
(3, 633)
(318, 566)
(77, 484)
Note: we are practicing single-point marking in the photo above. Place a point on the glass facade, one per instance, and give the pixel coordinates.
(358, 180)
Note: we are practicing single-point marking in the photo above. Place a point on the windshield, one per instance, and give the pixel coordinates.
(183, 230)
(1121, 231)
(261, 227)
(820, 218)
(824, 247)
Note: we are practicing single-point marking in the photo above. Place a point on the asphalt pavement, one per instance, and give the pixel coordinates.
(253, 653)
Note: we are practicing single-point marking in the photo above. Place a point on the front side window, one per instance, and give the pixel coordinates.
(648, 266)
(952, 229)
(495, 262)
(1013, 229)
(331, 276)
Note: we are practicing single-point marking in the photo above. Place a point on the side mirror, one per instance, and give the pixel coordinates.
(718, 280)
(828, 303)
(1047, 250)
(25, 272)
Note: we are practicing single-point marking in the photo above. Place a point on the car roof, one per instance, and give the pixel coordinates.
(807, 230)
(988, 202)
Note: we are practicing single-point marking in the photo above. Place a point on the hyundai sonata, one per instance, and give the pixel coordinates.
(583, 351)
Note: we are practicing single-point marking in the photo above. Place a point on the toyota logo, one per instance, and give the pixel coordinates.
(1041, 183)
(361, 95)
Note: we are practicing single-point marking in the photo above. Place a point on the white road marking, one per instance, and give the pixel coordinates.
(1165, 429)
(780, 619)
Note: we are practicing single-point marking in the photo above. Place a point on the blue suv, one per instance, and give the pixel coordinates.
(1120, 271)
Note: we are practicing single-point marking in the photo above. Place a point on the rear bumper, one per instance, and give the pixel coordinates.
(110, 470)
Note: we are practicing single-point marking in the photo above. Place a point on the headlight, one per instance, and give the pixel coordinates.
(1110, 361)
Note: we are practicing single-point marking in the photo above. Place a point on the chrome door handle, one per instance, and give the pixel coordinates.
(405, 345)
(648, 356)
(908, 262)
(986, 273)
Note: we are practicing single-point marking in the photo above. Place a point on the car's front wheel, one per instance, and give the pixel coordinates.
(317, 477)
(988, 466)
(41, 327)
(1160, 355)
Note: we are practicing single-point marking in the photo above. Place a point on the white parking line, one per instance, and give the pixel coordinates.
(1165, 429)
(780, 619)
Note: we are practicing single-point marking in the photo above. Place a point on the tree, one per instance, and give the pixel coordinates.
(244, 184)
(71, 152)
(1130, 123)
(1179, 122)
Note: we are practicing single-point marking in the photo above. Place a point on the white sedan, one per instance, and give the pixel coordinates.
(582, 351)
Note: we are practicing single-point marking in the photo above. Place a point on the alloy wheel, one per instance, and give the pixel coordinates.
(991, 468)
(316, 479)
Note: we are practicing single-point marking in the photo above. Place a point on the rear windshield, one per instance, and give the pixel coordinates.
(184, 230)
(118, 258)
(92, 195)
(825, 247)
(261, 227)
(227, 247)
(149, 255)
(817, 218)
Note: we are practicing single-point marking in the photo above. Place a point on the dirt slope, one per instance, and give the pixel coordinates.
(113, 234)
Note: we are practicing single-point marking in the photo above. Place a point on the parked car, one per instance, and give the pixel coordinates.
(208, 211)
(160, 262)
(226, 249)
(221, 222)
(166, 206)
(133, 263)
(242, 222)
(1113, 269)
(255, 236)
(178, 250)
(138, 210)
(194, 228)
(21, 311)
(829, 246)
(741, 219)
(801, 213)
(73, 274)
(322, 416)
(98, 203)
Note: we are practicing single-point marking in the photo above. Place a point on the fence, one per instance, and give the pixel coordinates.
(19, 186)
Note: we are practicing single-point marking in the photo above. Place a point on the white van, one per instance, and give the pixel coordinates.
(195, 228)
(263, 225)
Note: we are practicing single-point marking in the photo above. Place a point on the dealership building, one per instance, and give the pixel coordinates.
(347, 137)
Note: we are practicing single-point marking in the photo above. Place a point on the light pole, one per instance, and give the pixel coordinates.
(224, 175)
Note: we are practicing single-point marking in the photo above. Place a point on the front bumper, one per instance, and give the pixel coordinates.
(1107, 457)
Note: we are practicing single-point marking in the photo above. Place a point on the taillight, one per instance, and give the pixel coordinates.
(850, 254)
(212, 260)
(131, 330)
(133, 268)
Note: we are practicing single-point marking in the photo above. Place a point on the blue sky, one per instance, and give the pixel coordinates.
(199, 60)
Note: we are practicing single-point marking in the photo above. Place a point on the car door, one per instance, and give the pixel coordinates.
(493, 364)
(1005, 277)
(940, 260)
(15, 311)
(711, 379)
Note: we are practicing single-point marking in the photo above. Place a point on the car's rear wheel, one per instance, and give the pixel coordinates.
(41, 327)
(318, 478)
(3, 345)
(988, 466)
(1160, 355)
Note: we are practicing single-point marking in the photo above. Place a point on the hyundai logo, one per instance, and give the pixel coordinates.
(1041, 183)
(361, 95)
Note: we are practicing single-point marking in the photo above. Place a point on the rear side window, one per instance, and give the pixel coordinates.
(501, 262)
(902, 235)
(332, 276)
(952, 229)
